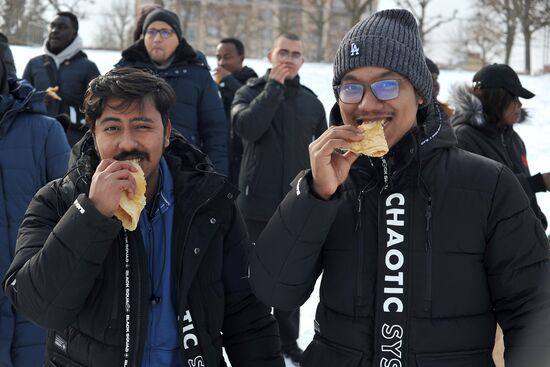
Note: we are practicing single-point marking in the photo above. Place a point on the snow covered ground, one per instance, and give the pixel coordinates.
(318, 77)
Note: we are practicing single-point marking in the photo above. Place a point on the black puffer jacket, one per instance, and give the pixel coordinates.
(501, 144)
(416, 271)
(276, 123)
(228, 87)
(69, 273)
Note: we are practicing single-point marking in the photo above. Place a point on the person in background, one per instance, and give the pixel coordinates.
(484, 123)
(231, 74)
(7, 57)
(434, 70)
(277, 118)
(198, 114)
(423, 249)
(174, 291)
(65, 68)
(33, 151)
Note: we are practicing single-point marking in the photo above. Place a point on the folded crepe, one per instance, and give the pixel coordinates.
(374, 142)
(129, 210)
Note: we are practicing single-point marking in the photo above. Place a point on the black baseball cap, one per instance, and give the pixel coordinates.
(501, 76)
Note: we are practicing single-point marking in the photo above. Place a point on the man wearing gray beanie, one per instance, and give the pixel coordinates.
(423, 247)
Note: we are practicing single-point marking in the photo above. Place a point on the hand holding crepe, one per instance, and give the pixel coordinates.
(52, 93)
(129, 210)
(374, 142)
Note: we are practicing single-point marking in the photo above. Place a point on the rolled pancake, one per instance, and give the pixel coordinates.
(374, 142)
(129, 210)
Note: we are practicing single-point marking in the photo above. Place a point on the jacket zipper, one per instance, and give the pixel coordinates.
(429, 254)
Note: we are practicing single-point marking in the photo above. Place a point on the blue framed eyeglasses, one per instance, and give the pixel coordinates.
(383, 90)
(164, 33)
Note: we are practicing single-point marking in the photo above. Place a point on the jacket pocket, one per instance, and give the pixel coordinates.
(58, 360)
(480, 358)
(323, 353)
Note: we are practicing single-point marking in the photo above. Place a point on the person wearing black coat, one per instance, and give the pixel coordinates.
(63, 65)
(175, 291)
(276, 118)
(198, 115)
(422, 250)
(484, 124)
(7, 56)
(230, 75)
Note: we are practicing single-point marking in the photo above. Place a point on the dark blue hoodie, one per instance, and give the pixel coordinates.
(33, 151)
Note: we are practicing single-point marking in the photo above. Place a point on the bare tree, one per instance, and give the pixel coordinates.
(532, 15)
(316, 10)
(23, 21)
(426, 24)
(114, 33)
(484, 35)
(505, 17)
(287, 11)
(356, 8)
(74, 6)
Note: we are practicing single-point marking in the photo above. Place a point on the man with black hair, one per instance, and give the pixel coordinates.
(172, 292)
(33, 151)
(277, 118)
(434, 70)
(422, 249)
(66, 70)
(198, 114)
(230, 76)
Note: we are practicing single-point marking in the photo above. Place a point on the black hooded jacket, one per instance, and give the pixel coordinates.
(422, 252)
(228, 87)
(70, 272)
(276, 123)
(501, 144)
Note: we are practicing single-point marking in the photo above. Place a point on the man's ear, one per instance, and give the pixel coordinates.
(167, 133)
(269, 56)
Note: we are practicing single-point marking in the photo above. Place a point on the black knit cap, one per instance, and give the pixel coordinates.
(388, 39)
(166, 16)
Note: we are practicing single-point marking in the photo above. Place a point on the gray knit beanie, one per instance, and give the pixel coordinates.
(165, 16)
(388, 39)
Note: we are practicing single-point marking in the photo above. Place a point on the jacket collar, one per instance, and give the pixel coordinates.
(70, 51)
(138, 53)
(22, 97)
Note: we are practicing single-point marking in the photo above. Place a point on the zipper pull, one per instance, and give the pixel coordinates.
(428, 215)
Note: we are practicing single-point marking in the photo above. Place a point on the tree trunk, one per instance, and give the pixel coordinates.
(527, 37)
(510, 33)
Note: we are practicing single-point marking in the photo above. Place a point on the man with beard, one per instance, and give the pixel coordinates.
(423, 248)
(33, 151)
(230, 76)
(171, 293)
(277, 118)
(198, 114)
(65, 71)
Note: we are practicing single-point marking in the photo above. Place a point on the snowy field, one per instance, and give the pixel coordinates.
(318, 77)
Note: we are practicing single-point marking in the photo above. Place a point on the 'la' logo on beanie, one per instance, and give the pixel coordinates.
(354, 50)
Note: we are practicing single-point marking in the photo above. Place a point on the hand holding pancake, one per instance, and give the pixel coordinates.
(329, 168)
(111, 180)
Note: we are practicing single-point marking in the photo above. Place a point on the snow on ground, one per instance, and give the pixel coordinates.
(318, 77)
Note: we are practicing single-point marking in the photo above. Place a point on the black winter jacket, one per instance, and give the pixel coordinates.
(198, 114)
(70, 272)
(501, 144)
(228, 87)
(417, 269)
(72, 78)
(276, 123)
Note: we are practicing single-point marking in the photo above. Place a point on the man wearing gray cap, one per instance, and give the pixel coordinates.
(424, 248)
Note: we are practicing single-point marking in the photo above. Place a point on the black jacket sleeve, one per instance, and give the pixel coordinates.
(518, 267)
(58, 257)
(250, 333)
(253, 113)
(286, 260)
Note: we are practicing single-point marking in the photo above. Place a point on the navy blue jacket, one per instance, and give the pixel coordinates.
(72, 77)
(199, 114)
(33, 151)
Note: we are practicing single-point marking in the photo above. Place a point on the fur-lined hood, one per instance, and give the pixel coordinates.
(468, 107)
